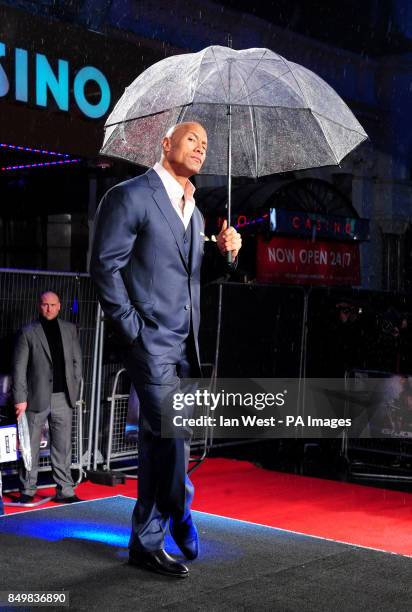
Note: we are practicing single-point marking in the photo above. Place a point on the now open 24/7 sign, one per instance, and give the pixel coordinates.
(303, 262)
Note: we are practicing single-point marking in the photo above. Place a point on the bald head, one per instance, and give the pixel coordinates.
(184, 149)
(186, 125)
(49, 305)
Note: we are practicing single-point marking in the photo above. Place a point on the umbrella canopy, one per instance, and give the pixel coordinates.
(283, 116)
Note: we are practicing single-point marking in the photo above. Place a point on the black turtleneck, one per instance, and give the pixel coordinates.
(54, 339)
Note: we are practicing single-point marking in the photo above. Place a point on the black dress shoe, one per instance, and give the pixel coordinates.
(72, 499)
(185, 536)
(158, 561)
(25, 499)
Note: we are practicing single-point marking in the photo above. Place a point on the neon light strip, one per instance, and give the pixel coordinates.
(252, 222)
(40, 165)
(31, 150)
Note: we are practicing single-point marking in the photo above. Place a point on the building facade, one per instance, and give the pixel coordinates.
(63, 65)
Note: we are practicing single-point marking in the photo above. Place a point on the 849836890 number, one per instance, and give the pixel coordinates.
(39, 598)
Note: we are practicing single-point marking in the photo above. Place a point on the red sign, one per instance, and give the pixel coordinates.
(294, 261)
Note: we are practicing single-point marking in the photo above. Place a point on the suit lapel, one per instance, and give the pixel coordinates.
(196, 229)
(164, 204)
(39, 331)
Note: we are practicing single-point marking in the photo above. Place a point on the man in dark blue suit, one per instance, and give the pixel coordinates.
(146, 259)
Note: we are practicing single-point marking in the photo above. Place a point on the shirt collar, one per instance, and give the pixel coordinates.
(173, 188)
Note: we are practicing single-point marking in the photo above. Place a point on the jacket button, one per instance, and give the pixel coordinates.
(50, 380)
(187, 306)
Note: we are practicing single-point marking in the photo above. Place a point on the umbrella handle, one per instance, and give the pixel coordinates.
(229, 258)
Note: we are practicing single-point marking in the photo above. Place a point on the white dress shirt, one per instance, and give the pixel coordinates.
(182, 199)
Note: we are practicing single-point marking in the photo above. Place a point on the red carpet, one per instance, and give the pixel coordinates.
(376, 518)
(351, 513)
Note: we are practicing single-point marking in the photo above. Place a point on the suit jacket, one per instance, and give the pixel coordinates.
(145, 285)
(33, 367)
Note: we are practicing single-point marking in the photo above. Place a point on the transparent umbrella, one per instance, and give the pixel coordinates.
(24, 441)
(263, 114)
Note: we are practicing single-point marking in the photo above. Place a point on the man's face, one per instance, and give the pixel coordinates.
(49, 306)
(186, 149)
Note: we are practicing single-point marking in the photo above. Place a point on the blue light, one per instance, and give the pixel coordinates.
(21, 75)
(31, 150)
(4, 81)
(52, 80)
(107, 521)
(251, 222)
(40, 165)
(95, 535)
(89, 73)
(46, 79)
(75, 306)
(114, 530)
(58, 529)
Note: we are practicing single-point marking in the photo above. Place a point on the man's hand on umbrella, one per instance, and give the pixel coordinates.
(229, 240)
(20, 409)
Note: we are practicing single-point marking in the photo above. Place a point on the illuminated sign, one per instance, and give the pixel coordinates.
(244, 223)
(314, 225)
(8, 439)
(303, 262)
(56, 83)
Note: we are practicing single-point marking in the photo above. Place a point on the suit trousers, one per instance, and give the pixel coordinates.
(60, 415)
(165, 490)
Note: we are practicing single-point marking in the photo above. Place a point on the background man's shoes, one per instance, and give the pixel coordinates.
(25, 499)
(185, 536)
(158, 561)
(72, 499)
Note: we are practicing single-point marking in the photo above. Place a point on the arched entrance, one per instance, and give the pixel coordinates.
(306, 194)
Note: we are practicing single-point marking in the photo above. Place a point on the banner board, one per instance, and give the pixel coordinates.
(296, 261)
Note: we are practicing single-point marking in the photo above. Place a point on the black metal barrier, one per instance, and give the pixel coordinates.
(252, 330)
(388, 457)
(268, 330)
(247, 330)
(349, 329)
(281, 331)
